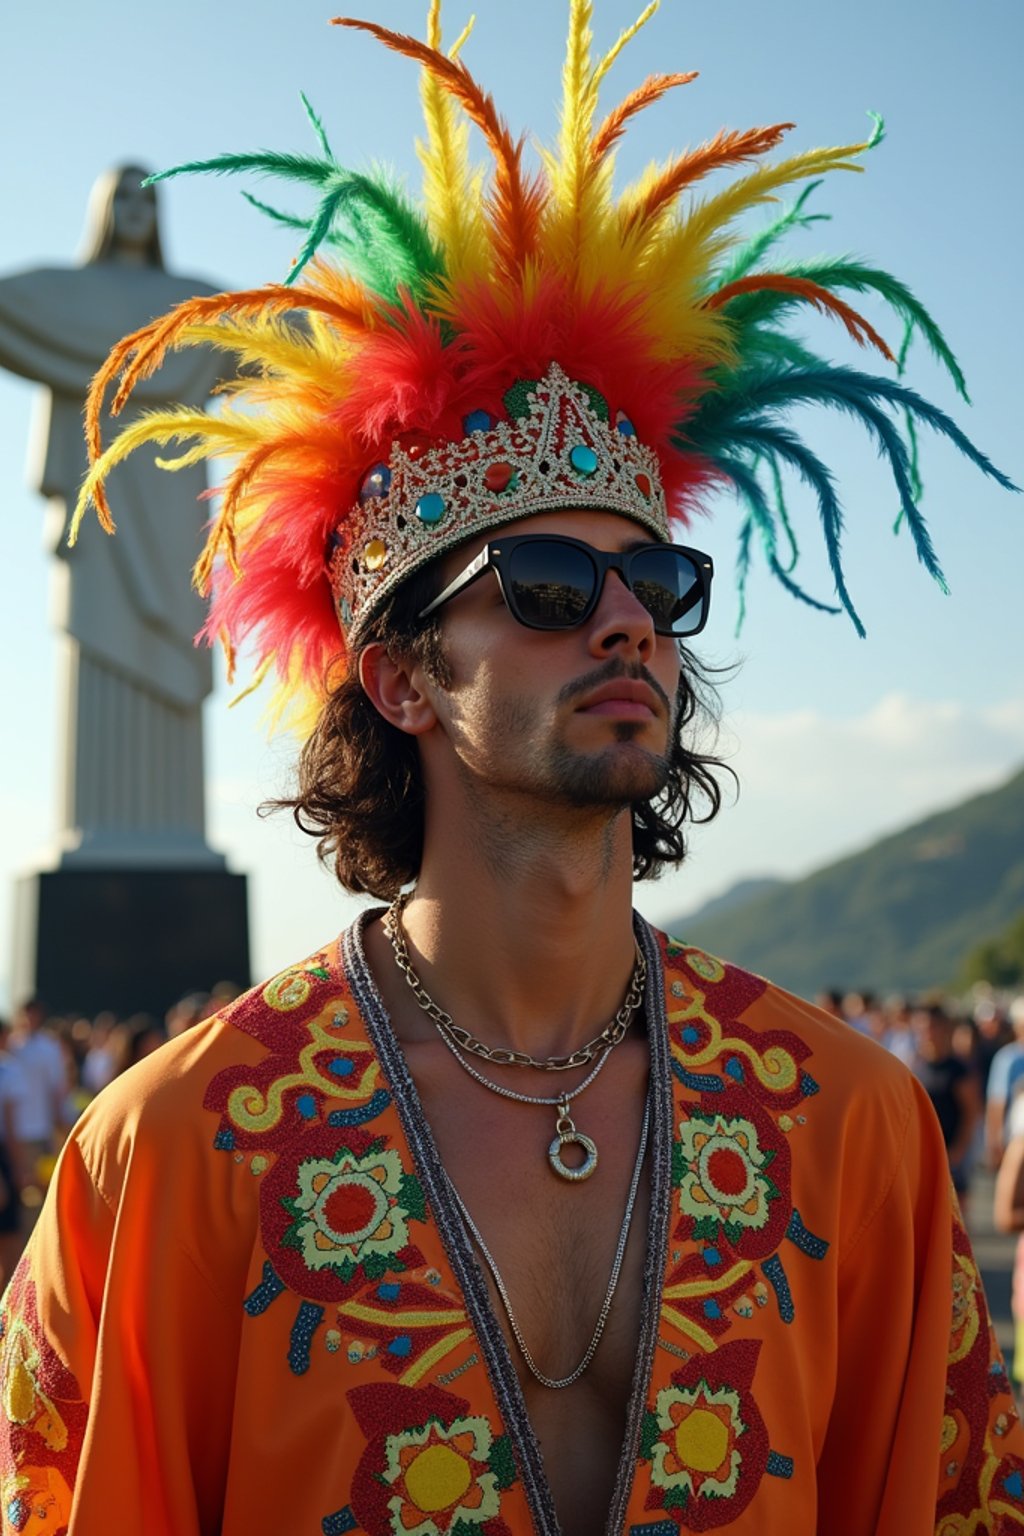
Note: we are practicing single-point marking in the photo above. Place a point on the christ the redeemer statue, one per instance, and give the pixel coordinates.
(132, 681)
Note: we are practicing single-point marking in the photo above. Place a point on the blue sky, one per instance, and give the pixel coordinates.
(835, 739)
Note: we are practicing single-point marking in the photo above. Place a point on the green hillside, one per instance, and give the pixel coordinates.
(900, 916)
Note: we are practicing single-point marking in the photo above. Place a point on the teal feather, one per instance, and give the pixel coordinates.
(759, 514)
(777, 442)
(841, 274)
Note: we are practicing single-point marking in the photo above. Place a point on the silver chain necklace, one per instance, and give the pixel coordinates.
(566, 1132)
(613, 1280)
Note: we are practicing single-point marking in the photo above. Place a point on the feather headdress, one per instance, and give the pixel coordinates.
(410, 342)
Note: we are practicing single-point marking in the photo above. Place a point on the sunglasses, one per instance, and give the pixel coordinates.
(552, 582)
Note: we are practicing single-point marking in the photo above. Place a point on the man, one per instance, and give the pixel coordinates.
(505, 1214)
(39, 1115)
(1007, 1070)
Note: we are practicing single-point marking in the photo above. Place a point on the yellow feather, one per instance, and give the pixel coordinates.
(624, 38)
(217, 436)
(453, 213)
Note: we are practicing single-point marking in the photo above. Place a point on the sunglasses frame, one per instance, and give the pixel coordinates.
(497, 551)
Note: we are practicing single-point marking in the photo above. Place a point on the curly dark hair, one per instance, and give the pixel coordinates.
(360, 788)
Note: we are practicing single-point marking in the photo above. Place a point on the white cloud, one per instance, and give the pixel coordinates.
(814, 787)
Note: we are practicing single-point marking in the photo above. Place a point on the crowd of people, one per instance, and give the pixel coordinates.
(968, 1054)
(50, 1068)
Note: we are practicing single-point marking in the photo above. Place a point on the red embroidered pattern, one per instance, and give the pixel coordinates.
(338, 1208)
(704, 1439)
(45, 1416)
(981, 1486)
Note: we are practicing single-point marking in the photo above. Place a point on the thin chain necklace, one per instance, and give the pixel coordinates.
(566, 1132)
(499, 1056)
(613, 1280)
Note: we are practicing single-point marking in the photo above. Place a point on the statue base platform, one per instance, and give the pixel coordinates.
(128, 940)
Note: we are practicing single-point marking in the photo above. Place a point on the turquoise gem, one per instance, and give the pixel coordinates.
(345, 609)
(430, 508)
(583, 459)
(477, 421)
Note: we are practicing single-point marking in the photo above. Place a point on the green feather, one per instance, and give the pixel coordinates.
(318, 127)
(264, 162)
(747, 257)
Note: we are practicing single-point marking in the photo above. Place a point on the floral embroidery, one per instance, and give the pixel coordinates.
(430, 1468)
(338, 1208)
(46, 1416)
(353, 1212)
(441, 1472)
(981, 1486)
(724, 1182)
(705, 1439)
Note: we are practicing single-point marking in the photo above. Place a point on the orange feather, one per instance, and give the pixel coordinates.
(139, 355)
(800, 287)
(613, 127)
(518, 200)
(726, 148)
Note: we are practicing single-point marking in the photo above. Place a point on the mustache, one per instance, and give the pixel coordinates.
(611, 672)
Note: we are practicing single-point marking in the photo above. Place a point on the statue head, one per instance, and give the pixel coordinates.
(121, 223)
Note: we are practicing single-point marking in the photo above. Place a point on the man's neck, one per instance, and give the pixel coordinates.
(529, 945)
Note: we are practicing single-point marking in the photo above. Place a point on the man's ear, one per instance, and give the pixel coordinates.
(396, 688)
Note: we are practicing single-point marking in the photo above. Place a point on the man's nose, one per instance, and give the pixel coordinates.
(620, 621)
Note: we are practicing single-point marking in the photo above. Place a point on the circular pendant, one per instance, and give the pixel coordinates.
(586, 1168)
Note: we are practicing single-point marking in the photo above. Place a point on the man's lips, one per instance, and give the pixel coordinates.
(623, 697)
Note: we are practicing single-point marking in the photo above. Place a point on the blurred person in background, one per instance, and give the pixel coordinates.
(952, 1088)
(99, 1067)
(898, 1038)
(1008, 1215)
(1006, 1072)
(136, 1039)
(39, 1116)
(12, 1158)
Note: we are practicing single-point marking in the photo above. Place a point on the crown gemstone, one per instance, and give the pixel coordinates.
(430, 508)
(375, 555)
(376, 484)
(477, 421)
(583, 460)
(500, 477)
(643, 485)
(623, 425)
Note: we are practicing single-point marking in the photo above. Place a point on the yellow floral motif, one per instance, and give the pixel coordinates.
(24, 1401)
(252, 1109)
(696, 1452)
(440, 1476)
(966, 1317)
(773, 1066)
(287, 991)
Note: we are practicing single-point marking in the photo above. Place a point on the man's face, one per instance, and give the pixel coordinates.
(584, 717)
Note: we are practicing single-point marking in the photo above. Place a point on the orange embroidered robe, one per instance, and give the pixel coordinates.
(250, 1304)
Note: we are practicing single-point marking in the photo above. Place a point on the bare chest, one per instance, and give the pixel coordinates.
(554, 1245)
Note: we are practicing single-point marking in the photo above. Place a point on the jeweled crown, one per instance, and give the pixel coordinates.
(560, 447)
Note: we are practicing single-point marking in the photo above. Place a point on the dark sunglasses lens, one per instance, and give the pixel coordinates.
(669, 585)
(550, 584)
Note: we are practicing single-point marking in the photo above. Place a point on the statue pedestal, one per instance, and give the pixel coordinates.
(131, 940)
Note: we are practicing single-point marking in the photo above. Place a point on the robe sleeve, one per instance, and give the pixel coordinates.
(117, 1362)
(923, 1439)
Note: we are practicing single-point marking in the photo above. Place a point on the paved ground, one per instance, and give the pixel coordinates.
(994, 1254)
